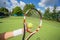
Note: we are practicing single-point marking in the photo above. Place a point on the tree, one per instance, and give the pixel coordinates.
(47, 14)
(54, 14)
(17, 10)
(28, 6)
(58, 16)
(2, 9)
(5, 11)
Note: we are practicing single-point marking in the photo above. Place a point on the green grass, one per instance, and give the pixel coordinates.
(50, 30)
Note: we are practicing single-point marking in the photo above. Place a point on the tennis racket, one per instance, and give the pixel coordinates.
(35, 17)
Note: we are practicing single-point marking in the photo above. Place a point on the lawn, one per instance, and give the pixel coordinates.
(50, 30)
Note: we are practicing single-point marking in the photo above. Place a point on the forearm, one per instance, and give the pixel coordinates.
(7, 35)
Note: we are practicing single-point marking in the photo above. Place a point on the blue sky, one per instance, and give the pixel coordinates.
(39, 4)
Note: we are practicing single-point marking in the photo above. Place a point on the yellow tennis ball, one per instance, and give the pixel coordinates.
(30, 25)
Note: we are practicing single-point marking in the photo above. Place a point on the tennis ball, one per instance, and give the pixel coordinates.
(29, 25)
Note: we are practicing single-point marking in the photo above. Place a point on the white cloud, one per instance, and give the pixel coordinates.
(49, 3)
(58, 8)
(3, 3)
(22, 4)
(12, 4)
(40, 10)
(15, 3)
(44, 3)
(51, 8)
(7, 4)
(41, 4)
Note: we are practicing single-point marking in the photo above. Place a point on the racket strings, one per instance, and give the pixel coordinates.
(34, 17)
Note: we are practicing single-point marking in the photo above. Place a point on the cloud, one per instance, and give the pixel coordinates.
(22, 4)
(40, 10)
(3, 3)
(12, 4)
(49, 3)
(41, 4)
(58, 8)
(44, 3)
(51, 8)
(15, 3)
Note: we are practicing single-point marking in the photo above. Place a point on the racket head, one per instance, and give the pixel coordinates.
(37, 19)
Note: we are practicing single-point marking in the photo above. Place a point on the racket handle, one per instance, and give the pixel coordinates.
(24, 34)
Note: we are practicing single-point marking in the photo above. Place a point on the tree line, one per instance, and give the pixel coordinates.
(54, 15)
(17, 10)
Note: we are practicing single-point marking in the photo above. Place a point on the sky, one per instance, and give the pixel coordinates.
(39, 4)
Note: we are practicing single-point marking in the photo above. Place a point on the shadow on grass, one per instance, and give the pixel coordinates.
(1, 22)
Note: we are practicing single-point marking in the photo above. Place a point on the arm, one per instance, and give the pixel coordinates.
(6, 35)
